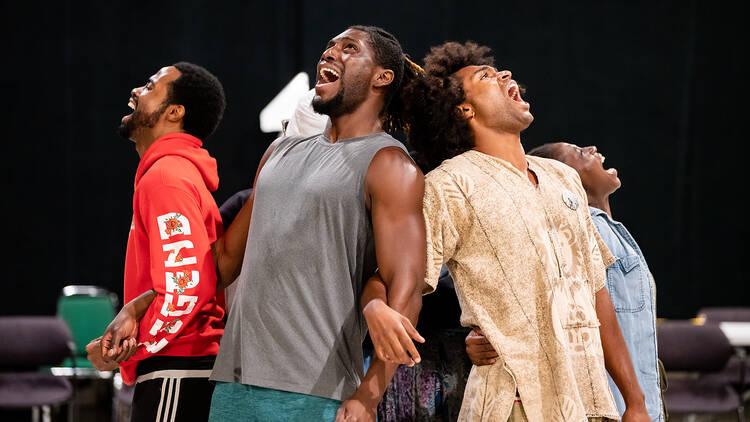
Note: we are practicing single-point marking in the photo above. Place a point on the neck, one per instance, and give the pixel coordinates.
(147, 139)
(503, 145)
(364, 120)
(601, 202)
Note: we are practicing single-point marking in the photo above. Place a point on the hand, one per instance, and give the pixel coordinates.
(119, 341)
(636, 414)
(354, 409)
(391, 334)
(94, 351)
(479, 349)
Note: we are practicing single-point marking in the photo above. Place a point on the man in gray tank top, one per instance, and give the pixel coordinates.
(325, 212)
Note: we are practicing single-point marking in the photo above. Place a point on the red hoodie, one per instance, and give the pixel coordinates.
(175, 221)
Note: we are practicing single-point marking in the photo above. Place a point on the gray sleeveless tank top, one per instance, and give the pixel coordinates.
(295, 323)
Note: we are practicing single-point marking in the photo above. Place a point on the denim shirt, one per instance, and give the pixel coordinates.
(631, 288)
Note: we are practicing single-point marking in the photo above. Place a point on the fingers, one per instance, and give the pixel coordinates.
(397, 348)
(479, 348)
(340, 414)
(93, 346)
(387, 349)
(483, 362)
(482, 354)
(106, 344)
(477, 340)
(408, 345)
(400, 355)
(476, 336)
(486, 355)
(117, 338)
(133, 349)
(413, 333)
(128, 349)
(382, 349)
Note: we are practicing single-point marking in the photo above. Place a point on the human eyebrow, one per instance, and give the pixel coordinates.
(481, 69)
(351, 40)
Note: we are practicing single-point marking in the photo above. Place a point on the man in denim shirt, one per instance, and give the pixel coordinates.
(629, 281)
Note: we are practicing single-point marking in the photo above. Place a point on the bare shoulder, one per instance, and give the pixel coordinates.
(393, 165)
(393, 178)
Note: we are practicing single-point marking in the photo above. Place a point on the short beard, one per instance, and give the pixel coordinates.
(140, 120)
(342, 103)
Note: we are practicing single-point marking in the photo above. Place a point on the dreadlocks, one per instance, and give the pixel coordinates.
(437, 130)
(389, 55)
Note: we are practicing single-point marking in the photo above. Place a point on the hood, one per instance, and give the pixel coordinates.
(181, 145)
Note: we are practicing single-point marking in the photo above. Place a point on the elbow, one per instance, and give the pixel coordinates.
(415, 300)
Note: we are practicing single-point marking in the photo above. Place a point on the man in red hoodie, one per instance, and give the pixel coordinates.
(170, 278)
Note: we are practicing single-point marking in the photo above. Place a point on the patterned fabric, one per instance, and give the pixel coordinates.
(526, 261)
(434, 389)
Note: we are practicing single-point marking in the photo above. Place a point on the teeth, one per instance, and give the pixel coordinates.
(131, 104)
(514, 92)
(324, 71)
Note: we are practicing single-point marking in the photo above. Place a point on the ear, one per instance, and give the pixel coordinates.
(383, 77)
(466, 110)
(175, 113)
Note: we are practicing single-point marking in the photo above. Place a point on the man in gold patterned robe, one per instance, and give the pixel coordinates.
(526, 259)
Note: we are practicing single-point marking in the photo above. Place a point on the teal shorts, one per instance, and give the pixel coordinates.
(240, 402)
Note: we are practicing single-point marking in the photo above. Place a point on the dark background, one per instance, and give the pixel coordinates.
(657, 86)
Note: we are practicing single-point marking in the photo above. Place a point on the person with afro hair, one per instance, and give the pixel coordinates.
(515, 233)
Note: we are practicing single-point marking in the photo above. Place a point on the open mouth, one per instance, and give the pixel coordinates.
(132, 103)
(612, 171)
(328, 75)
(514, 92)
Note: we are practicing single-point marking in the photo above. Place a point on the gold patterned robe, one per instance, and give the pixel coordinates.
(527, 262)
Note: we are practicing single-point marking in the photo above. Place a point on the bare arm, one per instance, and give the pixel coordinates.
(617, 359)
(229, 249)
(395, 188)
(390, 331)
(395, 191)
